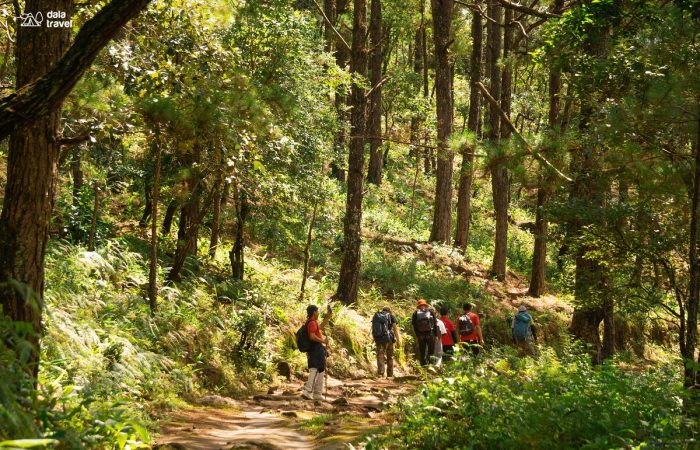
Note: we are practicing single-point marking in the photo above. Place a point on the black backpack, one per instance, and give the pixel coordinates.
(424, 324)
(380, 327)
(302, 336)
(465, 325)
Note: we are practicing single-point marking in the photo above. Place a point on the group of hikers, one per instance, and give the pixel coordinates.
(436, 337)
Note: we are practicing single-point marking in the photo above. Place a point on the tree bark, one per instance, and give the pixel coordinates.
(374, 126)
(148, 207)
(169, 216)
(499, 175)
(42, 91)
(237, 253)
(307, 251)
(153, 255)
(32, 161)
(691, 331)
(77, 172)
(350, 266)
(188, 227)
(464, 195)
(216, 220)
(95, 215)
(341, 58)
(539, 255)
(418, 70)
(442, 210)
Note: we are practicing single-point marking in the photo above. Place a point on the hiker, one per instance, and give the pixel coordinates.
(442, 331)
(524, 331)
(469, 327)
(450, 337)
(385, 333)
(425, 326)
(316, 355)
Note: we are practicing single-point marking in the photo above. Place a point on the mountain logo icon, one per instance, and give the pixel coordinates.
(31, 20)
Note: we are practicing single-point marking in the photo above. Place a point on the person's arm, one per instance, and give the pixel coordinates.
(395, 330)
(478, 333)
(414, 318)
(314, 337)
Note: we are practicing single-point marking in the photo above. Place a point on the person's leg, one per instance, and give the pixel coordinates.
(309, 387)
(318, 385)
(381, 359)
(423, 345)
(390, 359)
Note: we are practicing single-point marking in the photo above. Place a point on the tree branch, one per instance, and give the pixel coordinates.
(330, 24)
(527, 10)
(529, 150)
(38, 98)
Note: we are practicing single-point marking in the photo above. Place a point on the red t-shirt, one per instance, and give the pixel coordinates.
(449, 326)
(471, 336)
(314, 329)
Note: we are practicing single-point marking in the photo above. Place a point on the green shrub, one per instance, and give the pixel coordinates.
(556, 402)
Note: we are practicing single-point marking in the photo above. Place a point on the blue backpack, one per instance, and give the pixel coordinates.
(521, 327)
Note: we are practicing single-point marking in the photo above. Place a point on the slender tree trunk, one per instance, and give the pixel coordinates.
(169, 216)
(237, 254)
(499, 175)
(539, 255)
(153, 256)
(691, 334)
(307, 251)
(32, 160)
(418, 70)
(77, 173)
(350, 266)
(374, 125)
(188, 226)
(148, 208)
(95, 214)
(442, 209)
(341, 58)
(466, 173)
(216, 220)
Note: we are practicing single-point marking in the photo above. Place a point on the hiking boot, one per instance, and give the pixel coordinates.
(306, 395)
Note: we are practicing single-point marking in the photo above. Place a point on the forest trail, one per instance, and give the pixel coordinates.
(282, 419)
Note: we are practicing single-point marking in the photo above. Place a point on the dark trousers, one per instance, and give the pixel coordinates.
(447, 352)
(426, 348)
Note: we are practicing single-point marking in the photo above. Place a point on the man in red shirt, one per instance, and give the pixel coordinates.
(473, 338)
(316, 357)
(448, 340)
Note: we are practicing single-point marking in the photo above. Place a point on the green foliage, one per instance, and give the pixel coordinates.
(555, 402)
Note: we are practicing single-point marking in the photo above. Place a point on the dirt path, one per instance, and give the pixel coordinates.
(282, 419)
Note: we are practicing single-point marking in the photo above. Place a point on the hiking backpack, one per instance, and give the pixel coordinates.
(380, 327)
(423, 322)
(302, 336)
(465, 325)
(521, 326)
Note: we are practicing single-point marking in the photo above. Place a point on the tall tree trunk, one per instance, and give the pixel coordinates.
(237, 253)
(466, 172)
(188, 226)
(539, 255)
(691, 334)
(148, 208)
(31, 182)
(95, 215)
(341, 58)
(216, 219)
(374, 126)
(591, 291)
(77, 172)
(350, 266)
(169, 216)
(307, 251)
(418, 70)
(153, 255)
(442, 210)
(499, 174)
